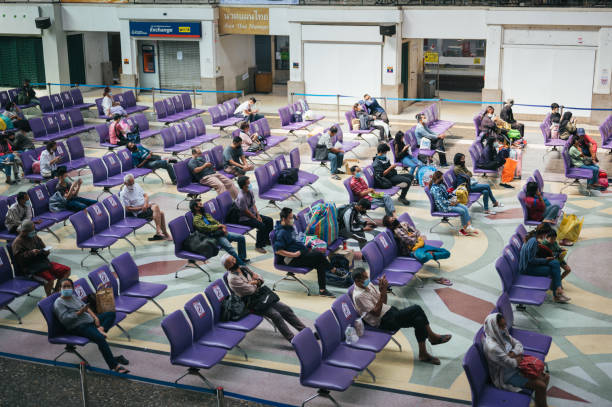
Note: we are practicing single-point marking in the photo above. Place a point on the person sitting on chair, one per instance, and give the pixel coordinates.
(386, 176)
(351, 224)
(507, 116)
(445, 202)
(136, 203)
(360, 189)
(374, 108)
(250, 142)
(371, 303)
(204, 172)
(539, 209)
(234, 161)
(403, 154)
(464, 176)
(18, 212)
(248, 110)
(66, 195)
(250, 216)
(580, 160)
(334, 155)
(142, 157)
(437, 140)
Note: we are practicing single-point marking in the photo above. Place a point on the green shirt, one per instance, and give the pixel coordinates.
(576, 157)
(205, 223)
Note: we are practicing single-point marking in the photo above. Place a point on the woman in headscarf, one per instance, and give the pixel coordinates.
(504, 354)
(567, 127)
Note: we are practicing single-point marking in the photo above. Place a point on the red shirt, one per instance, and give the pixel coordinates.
(535, 208)
(358, 185)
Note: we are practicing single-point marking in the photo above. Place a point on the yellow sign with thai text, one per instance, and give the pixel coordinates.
(244, 20)
(431, 57)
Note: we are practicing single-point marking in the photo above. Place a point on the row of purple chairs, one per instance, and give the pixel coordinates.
(287, 118)
(185, 136)
(267, 182)
(262, 128)
(11, 284)
(130, 294)
(127, 100)
(55, 126)
(349, 116)
(555, 199)
(222, 115)
(107, 222)
(368, 173)
(10, 95)
(346, 146)
(63, 102)
(72, 156)
(605, 129)
(143, 129)
(208, 342)
(175, 108)
(411, 140)
(477, 119)
(476, 150)
(433, 120)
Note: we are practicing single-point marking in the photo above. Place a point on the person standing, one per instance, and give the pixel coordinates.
(250, 216)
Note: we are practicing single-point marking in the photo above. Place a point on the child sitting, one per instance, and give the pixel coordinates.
(555, 250)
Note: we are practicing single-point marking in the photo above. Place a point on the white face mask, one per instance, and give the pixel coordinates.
(130, 187)
(491, 115)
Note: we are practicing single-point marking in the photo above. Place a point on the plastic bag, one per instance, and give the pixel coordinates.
(351, 335)
(570, 227)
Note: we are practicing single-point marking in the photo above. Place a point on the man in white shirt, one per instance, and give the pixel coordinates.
(136, 203)
(334, 155)
(371, 303)
(248, 110)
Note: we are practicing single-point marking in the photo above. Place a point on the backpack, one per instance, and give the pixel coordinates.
(288, 176)
(323, 222)
(342, 276)
(364, 122)
(22, 98)
(233, 214)
(514, 134)
(425, 173)
(134, 134)
(297, 117)
(233, 308)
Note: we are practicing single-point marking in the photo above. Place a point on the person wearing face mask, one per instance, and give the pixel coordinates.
(371, 302)
(250, 216)
(360, 189)
(410, 243)
(386, 176)
(78, 319)
(351, 224)
(488, 126)
(32, 258)
(464, 176)
(437, 140)
(404, 155)
(445, 202)
(107, 101)
(48, 160)
(292, 252)
(203, 171)
(18, 212)
(507, 116)
(493, 158)
(244, 283)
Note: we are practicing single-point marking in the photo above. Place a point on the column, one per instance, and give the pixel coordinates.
(392, 69)
(129, 64)
(603, 75)
(210, 75)
(296, 67)
(55, 48)
(492, 88)
(95, 46)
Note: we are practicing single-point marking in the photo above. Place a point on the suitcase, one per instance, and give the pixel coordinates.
(517, 155)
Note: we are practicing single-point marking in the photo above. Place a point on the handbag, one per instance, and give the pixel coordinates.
(320, 152)
(38, 265)
(261, 300)
(425, 144)
(462, 194)
(105, 299)
(201, 244)
(57, 202)
(531, 367)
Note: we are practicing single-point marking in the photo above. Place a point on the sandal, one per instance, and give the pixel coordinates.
(430, 359)
(442, 339)
(121, 370)
(443, 281)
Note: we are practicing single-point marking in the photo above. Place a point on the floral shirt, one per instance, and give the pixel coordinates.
(441, 197)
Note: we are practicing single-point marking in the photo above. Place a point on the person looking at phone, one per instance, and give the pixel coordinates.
(79, 319)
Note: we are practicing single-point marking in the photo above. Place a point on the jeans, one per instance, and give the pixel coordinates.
(263, 229)
(485, 189)
(225, 243)
(279, 313)
(552, 270)
(335, 159)
(4, 160)
(412, 316)
(551, 212)
(78, 203)
(313, 259)
(595, 170)
(89, 331)
(463, 211)
(411, 162)
(153, 165)
(387, 202)
(398, 179)
(425, 253)
(251, 118)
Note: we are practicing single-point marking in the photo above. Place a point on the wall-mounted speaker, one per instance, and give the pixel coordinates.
(43, 22)
(388, 30)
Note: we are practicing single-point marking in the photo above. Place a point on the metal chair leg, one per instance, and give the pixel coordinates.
(128, 240)
(246, 357)
(125, 332)
(196, 372)
(371, 374)
(291, 276)
(192, 264)
(14, 313)
(271, 323)
(48, 230)
(158, 306)
(321, 393)
(71, 349)
(397, 343)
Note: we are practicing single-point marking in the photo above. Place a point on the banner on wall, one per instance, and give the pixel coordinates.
(165, 29)
(244, 20)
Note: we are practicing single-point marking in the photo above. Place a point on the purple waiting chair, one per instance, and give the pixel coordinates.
(517, 295)
(180, 232)
(405, 217)
(291, 272)
(316, 373)
(385, 242)
(524, 280)
(129, 280)
(215, 293)
(185, 184)
(184, 352)
(5, 300)
(85, 238)
(558, 199)
(116, 213)
(573, 173)
(439, 214)
(56, 334)
(375, 261)
(204, 330)
(102, 276)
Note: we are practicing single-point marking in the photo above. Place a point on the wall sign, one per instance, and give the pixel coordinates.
(242, 20)
(165, 29)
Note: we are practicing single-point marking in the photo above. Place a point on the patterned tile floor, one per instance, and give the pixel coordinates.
(580, 359)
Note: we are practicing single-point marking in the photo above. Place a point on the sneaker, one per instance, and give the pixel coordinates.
(490, 212)
(326, 293)
(336, 177)
(471, 230)
(404, 201)
(340, 172)
(463, 232)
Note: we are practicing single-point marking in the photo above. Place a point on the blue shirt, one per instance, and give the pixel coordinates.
(423, 131)
(139, 155)
(285, 238)
(373, 106)
(528, 255)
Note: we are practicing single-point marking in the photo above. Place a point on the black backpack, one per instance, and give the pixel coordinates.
(233, 308)
(288, 176)
(233, 214)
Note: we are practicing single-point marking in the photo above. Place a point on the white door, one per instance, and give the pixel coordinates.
(148, 65)
(339, 68)
(541, 75)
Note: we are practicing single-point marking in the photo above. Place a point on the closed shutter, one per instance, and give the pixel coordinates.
(179, 64)
(21, 58)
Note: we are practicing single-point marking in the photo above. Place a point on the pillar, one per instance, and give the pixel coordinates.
(55, 48)
(392, 70)
(296, 66)
(602, 98)
(210, 75)
(95, 46)
(129, 64)
(492, 88)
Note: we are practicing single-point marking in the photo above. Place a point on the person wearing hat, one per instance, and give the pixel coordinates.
(371, 302)
(507, 116)
(244, 283)
(248, 110)
(32, 258)
(117, 131)
(351, 224)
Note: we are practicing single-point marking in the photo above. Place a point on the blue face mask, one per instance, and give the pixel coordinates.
(366, 283)
(66, 292)
(358, 175)
(250, 187)
(382, 157)
(32, 234)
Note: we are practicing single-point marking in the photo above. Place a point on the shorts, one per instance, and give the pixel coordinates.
(518, 380)
(144, 214)
(56, 271)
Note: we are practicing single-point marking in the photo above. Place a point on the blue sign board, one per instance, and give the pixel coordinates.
(165, 29)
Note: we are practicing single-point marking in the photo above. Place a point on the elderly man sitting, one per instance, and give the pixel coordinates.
(136, 203)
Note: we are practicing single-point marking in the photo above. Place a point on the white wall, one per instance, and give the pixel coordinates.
(437, 22)
(85, 17)
(18, 19)
(235, 54)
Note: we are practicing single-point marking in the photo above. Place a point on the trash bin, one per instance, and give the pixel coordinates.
(429, 89)
(263, 82)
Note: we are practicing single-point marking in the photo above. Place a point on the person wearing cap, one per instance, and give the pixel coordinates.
(507, 116)
(371, 302)
(117, 131)
(32, 258)
(248, 111)
(204, 223)
(244, 283)
(351, 224)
